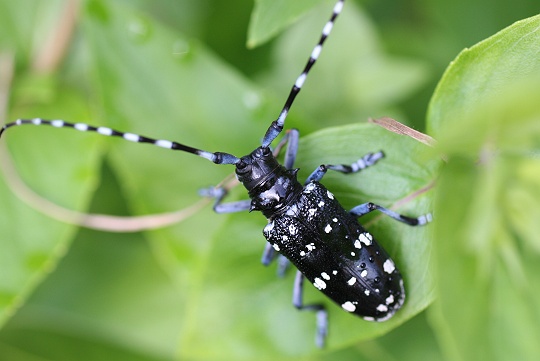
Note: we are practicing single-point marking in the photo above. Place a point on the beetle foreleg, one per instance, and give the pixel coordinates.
(219, 207)
(291, 139)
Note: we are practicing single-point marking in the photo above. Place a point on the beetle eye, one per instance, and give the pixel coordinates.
(242, 166)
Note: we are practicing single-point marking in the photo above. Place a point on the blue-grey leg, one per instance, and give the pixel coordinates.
(319, 309)
(366, 161)
(218, 194)
(291, 140)
(369, 207)
(270, 254)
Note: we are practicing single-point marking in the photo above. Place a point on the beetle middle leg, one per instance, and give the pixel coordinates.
(319, 309)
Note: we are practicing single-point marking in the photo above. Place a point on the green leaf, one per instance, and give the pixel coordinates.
(484, 70)
(487, 119)
(30, 252)
(271, 16)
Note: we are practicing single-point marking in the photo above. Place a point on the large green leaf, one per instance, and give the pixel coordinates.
(487, 118)
(483, 71)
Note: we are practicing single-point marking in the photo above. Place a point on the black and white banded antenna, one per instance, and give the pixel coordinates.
(277, 125)
(216, 157)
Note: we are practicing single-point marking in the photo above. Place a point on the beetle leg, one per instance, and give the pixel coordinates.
(270, 254)
(366, 161)
(219, 207)
(319, 309)
(366, 208)
(291, 139)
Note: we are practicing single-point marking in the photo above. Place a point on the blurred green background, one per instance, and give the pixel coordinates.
(181, 70)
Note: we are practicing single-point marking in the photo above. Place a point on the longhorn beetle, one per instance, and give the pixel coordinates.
(306, 224)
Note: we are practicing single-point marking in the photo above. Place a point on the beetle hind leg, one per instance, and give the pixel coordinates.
(369, 207)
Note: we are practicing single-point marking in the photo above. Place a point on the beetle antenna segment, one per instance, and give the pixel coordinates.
(277, 125)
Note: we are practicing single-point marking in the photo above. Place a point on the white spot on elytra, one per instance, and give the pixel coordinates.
(368, 318)
(329, 194)
(363, 274)
(390, 299)
(367, 292)
(310, 246)
(312, 211)
(321, 204)
(349, 306)
(382, 308)
(293, 229)
(353, 254)
(334, 219)
(328, 228)
(352, 281)
(302, 253)
(276, 246)
(389, 266)
(285, 238)
(319, 284)
(366, 238)
(309, 188)
(325, 276)
(357, 244)
(334, 272)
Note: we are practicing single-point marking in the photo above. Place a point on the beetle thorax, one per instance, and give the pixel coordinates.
(270, 186)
